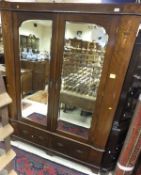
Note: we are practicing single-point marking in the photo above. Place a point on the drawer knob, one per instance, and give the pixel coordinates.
(79, 151)
(41, 138)
(25, 131)
(60, 144)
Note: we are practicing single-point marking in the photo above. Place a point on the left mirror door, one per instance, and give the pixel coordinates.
(35, 50)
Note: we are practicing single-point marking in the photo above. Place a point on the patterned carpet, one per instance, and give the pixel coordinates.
(27, 163)
(62, 125)
(40, 96)
(72, 128)
(38, 118)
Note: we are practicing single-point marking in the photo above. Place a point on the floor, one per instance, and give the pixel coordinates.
(70, 116)
(74, 117)
(54, 158)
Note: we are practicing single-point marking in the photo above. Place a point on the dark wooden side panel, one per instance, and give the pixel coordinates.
(114, 146)
(126, 106)
(119, 63)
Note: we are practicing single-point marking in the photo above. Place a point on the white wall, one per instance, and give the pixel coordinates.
(0, 19)
(72, 28)
(46, 39)
(65, 1)
(89, 32)
(71, 1)
(42, 31)
(81, 1)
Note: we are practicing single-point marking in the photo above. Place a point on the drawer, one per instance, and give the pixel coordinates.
(40, 67)
(26, 82)
(38, 81)
(70, 148)
(31, 134)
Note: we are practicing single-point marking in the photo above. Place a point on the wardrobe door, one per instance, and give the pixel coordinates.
(35, 64)
(85, 60)
(34, 48)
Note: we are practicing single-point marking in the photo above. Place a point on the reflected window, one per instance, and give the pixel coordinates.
(35, 44)
(83, 60)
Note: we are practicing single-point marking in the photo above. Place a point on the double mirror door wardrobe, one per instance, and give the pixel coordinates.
(65, 68)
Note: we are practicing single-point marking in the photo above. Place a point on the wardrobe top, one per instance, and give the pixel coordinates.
(113, 9)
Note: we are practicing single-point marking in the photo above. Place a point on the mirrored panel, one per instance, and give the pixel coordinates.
(83, 60)
(35, 48)
(1, 40)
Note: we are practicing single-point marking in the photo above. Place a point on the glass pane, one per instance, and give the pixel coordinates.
(1, 40)
(83, 59)
(35, 47)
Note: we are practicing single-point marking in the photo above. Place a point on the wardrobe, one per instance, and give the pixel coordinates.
(88, 48)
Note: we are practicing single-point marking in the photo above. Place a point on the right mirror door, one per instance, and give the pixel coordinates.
(83, 59)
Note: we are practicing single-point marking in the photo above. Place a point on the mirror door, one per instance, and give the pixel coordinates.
(35, 55)
(83, 59)
(85, 47)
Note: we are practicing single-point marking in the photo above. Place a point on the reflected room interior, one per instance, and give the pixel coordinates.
(84, 49)
(81, 72)
(1, 40)
(35, 44)
(2, 61)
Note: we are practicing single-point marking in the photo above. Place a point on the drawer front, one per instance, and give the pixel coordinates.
(40, 67)
(32, 134)
(38, 81)
(70, 148)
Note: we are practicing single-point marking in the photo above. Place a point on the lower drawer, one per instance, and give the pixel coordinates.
(31, 134)
(70, 148)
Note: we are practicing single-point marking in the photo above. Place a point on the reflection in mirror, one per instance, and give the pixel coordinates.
(1, 40)
(81, 72)
(35, 44)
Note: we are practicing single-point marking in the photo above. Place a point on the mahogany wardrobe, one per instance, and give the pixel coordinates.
(66, 71)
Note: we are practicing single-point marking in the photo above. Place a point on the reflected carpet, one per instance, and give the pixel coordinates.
(39, 96)
(62, 125)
